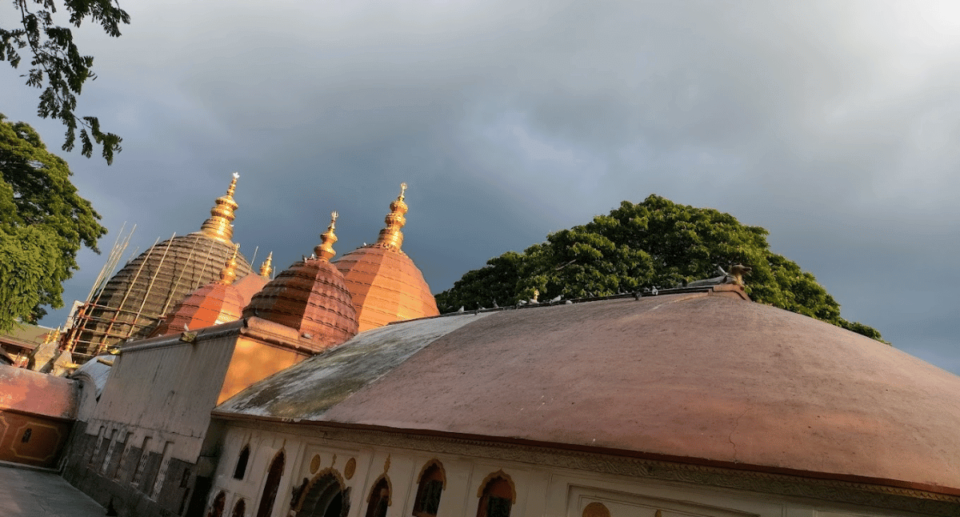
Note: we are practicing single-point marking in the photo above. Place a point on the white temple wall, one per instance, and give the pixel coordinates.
(540, 490)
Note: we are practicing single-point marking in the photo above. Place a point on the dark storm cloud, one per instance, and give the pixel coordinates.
(832, 124)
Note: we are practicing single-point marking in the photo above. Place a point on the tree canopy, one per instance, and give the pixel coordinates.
(656, 243)
(43, 224)
(57, 65)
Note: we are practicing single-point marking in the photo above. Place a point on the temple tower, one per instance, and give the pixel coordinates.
(385, 284)
(132, 302)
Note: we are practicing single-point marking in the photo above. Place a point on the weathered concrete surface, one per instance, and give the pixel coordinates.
(36, 393)
(34, 493)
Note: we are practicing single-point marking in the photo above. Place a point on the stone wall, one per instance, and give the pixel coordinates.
(120, 475)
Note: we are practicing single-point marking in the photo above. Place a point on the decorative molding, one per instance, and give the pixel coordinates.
(319, 475)
(502, 475)
(389, 487)
(350, 468)
(30, 424)
(443, 472)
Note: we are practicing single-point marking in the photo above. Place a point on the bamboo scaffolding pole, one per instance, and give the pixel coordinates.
(176, 285)
(136, 318)
(127, 294)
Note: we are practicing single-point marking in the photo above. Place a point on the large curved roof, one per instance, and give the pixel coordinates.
(702, 378)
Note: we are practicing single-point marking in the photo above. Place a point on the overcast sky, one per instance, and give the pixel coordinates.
(832, 124)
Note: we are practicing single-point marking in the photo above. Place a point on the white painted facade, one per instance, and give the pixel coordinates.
(541, 489)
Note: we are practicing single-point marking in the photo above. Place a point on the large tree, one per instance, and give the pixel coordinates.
(43, 224)
(57, 65)
(656, 243)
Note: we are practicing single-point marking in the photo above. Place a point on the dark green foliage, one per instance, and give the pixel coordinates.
(653, 243)
(57, 62)
(43, 223)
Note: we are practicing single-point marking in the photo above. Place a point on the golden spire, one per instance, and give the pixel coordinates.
(219, 226)
(391, 236)
(325, 249)
(229, 272)
(267, 267)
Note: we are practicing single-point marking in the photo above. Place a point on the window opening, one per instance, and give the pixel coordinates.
(429, 491)
(241, 468)
(271, 486)
(216, 510)
(239, 509)
(497, 497)
(379, 499)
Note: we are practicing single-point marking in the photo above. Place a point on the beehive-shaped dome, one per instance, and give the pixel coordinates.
(385, 284)
(311, 297)
(215, 303)
(146, 288)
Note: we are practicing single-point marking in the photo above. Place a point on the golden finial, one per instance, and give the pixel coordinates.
(267, 267)
(325, 249)
(229, 272)
(391, 236)
(219, 226)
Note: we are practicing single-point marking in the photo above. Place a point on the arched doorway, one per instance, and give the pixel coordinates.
(325, 498)
(271, 486)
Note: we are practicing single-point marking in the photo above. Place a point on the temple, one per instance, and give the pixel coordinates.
(335, 389)
(131, 304)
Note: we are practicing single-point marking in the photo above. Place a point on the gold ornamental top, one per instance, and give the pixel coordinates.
(219, 226)
(267, 267)
(324, 250)
(229, 272)
(391, 236)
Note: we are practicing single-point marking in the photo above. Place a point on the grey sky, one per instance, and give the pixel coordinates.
(832, 124)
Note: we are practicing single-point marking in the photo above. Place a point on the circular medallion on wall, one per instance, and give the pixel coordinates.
(315, 464)
(350, 468)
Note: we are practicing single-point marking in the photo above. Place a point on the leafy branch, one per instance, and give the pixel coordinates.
(58, 68)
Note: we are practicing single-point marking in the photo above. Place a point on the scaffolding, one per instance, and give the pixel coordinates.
(131, 303)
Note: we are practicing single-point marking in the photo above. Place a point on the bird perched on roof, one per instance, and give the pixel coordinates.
(460, 310)
(495, 306)
(556, 298)
(654, 291)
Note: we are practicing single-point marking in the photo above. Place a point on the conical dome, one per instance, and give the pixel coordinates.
(215, 303)
(385, 284)
(309, 296)
(146, 288)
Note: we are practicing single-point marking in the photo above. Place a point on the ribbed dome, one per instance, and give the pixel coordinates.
(386, 286)
(132, 302)
(309, 296)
